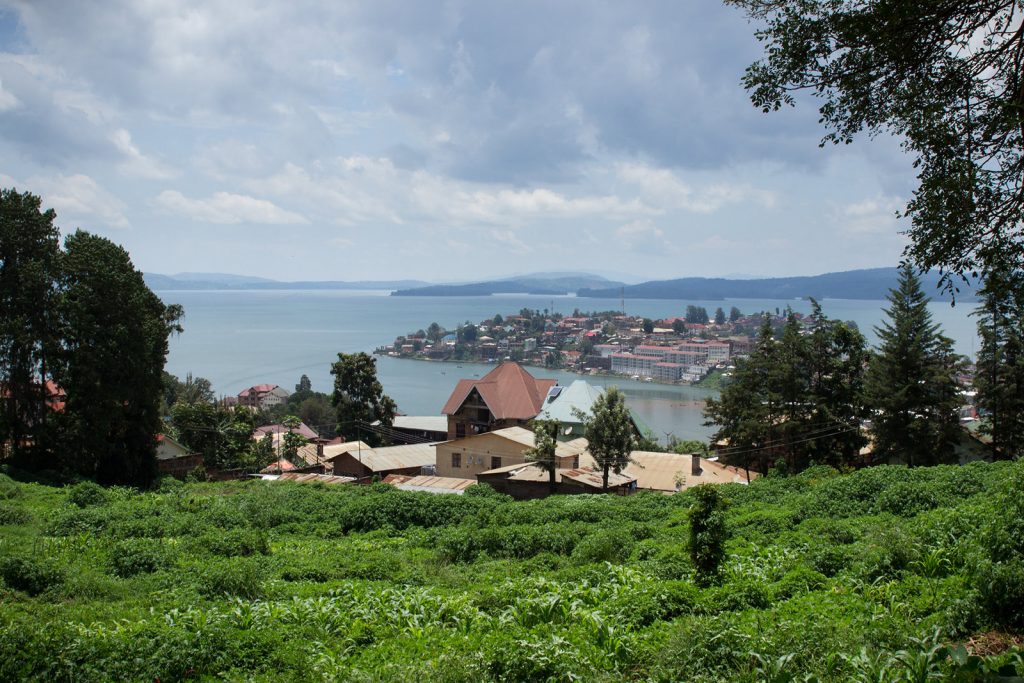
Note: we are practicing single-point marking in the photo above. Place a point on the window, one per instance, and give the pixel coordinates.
(456, 460)
(495, 462)
(460, 430)
(576, 462)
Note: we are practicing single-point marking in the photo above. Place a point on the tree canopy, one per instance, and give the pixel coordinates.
(610, 433)
(359, 397)
(943, 76)
(911, 382)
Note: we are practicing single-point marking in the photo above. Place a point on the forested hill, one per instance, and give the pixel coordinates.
(873, 283)
(553, 285)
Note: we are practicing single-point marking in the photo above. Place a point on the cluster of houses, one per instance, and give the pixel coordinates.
(672, 351)
(483, 435)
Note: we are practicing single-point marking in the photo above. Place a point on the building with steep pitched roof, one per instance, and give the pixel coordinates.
(507, 396)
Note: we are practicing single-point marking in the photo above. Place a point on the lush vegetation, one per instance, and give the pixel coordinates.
(884, 574)
(82, 348)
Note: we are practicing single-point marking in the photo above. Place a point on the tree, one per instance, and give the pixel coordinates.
(911, 381)
(689, 446)
(292, 442)
(697, 315)
(359, 398)
(648, 325)
(28, 259)
(748, 410)
(305, 386)
(679, 326)
(468, 333)
(944, 77)
(543, 452)
(719, 316)
(434, 332)
(114, 333)
(610, 433)
(222, 435)
(708, 533)
(734, 314)
(1000, 369)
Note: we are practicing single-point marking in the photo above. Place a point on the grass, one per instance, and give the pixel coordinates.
(827, 577)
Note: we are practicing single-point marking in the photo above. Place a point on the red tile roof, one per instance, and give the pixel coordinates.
(509, 391)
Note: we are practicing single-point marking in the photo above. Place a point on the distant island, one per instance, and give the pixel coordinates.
(226, 281)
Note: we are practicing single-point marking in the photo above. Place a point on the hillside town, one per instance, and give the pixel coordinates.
(484, 434)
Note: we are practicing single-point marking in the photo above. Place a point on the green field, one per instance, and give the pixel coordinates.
(884, 574)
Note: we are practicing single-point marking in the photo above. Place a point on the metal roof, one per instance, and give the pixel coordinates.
(393, 457)
(423, 423)
(579, 395)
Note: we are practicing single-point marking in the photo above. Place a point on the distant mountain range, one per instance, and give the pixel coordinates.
(555, 284)
(872, 283)
(217, 281)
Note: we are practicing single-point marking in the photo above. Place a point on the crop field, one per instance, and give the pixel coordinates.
(883, 574)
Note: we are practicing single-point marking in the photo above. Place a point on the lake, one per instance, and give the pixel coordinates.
(239, 338)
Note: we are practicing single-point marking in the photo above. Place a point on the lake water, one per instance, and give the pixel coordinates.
(240, 338)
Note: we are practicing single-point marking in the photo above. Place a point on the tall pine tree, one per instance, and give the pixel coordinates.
(1000, 368)
(911, 382)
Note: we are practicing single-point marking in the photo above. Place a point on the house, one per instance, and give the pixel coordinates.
(528, 481)
(507, 396)
(277, 432)
(562, 403)
(366, 463)
(466, 458)
(175, 459)
(671, 472)
(419, 428)
(263, 396)
(428, 483)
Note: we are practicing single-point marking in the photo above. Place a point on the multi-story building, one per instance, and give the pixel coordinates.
(507, 396)
(263, 396)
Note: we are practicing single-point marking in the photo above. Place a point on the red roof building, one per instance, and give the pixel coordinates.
(507, 396)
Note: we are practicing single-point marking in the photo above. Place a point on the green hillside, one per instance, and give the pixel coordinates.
(884, 574)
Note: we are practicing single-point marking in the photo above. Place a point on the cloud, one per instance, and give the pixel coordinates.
(643, 237)
(7, 99)
(136, 164)
(873, 216)
(78, 200)
(663, 187)
(226, 208)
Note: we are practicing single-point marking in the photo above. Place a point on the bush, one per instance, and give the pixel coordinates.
(87, 493)
(829, 560)
(13, 515)
(137, 556)
(29, 575)
(8, 488)
(907, 498)
(610, 545)
(799, 580)
(708, 533)
(235, 542)
(240, 578)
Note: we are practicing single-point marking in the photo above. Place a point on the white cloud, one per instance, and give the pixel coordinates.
(508, 240)
(227, 208)
(7, 99)
(643, 236)
(873, 216)
(79, 202)
(665, 189)
(137, 164)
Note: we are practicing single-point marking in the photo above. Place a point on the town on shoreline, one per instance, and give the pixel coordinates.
(693, 348)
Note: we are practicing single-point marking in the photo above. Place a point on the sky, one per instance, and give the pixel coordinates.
(439, 141)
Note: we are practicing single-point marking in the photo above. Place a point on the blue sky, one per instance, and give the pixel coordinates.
(440, 141)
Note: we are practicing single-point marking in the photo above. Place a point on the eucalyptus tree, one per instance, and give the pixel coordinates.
(944, 77)
(1000, 368)
(543, 452)
(29, 246)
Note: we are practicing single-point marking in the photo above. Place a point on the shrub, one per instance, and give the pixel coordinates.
(829, 560)
(29, 575)
(87, 493)
(137, 556)
(237, 578)
(907, 498)
(610, 545)
(8, 487)
(235, 542)
(707, 533)
(14, 515)
(799, 580)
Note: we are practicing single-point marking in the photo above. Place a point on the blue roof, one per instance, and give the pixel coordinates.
(579, 395)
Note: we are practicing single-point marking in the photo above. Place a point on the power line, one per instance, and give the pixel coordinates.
(814, 434)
